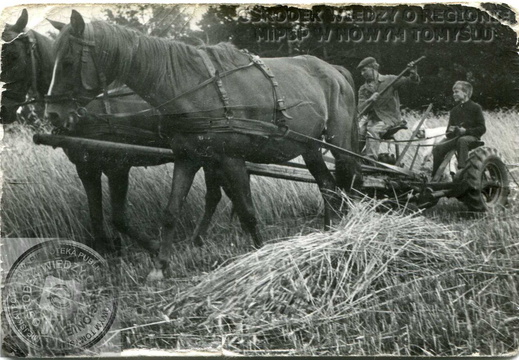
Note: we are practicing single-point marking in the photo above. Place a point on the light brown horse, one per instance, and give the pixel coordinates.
(27, 69)
(213, 88)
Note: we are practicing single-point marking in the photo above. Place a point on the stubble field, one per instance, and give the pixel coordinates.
(442, 282)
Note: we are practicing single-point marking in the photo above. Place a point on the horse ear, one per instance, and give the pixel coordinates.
(57, 25)
(21, 23)
(77, 23)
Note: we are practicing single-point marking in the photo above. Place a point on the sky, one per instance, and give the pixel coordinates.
(61, 12)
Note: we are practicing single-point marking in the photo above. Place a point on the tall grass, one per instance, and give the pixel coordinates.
(461, 300)
(501, 126)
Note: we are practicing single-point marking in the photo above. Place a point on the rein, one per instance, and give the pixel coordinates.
(405, 141)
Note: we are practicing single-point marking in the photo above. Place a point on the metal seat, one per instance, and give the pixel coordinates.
(477, 144)
(390, 133)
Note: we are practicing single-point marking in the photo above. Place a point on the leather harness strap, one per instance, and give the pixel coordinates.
(256, 60)
(88, 43)
(34, 61)
(213, 73)
(279, 100)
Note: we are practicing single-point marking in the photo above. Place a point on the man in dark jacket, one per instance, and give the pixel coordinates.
(466, 126)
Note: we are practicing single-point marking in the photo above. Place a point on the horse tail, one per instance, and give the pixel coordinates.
(347, 75)
(346, 177)
(355, 133)
(355, 128)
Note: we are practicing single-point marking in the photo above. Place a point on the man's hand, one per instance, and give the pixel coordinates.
(374, 97)
(456, 131)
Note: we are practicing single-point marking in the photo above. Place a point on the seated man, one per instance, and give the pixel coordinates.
(385, 109)
(465, 128)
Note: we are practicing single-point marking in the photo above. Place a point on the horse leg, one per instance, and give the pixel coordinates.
(212, 199)
(90, 176)
(118, 184)
(237, 187)
(317, 167)
(183, 175)
(343, 131)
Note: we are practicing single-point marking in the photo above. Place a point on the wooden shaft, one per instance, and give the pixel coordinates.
(100, 145)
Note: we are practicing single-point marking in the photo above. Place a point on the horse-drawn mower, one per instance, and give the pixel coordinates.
(482, 185)
(201, 119)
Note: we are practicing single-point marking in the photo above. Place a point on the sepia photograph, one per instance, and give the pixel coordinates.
(233, 179)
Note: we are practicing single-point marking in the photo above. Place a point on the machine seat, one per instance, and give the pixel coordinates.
(390, 133)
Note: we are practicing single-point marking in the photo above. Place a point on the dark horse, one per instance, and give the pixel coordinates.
(216, 103)
(26, 66)
(27, 62)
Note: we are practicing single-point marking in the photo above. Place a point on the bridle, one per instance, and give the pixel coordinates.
(87, 53)
(31, 39)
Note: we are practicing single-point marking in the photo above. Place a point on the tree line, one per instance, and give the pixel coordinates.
(459, 42)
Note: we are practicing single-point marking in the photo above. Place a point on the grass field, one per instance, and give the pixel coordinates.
(441, 282)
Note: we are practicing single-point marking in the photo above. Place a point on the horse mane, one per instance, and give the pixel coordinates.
(122, 48)
(225, 55)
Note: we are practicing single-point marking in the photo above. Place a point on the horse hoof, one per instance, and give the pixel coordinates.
(122, 227)
(151, 245)
(167, 220)
(155, 275)
(106, 250)
(198, 241)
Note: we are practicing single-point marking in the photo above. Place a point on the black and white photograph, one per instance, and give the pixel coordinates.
(236, 179)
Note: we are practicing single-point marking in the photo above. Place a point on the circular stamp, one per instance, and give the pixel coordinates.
(59, 298)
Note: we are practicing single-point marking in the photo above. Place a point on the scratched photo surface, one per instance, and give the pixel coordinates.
(260, 180)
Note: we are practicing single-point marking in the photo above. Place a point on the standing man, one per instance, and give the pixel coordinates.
(465, 128)
(385, 109)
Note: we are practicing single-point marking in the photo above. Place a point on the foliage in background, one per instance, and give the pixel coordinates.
(490, 66)
(153, 19)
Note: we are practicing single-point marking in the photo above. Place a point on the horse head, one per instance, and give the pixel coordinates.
(16, 67)
(75, 79)
(26, 66)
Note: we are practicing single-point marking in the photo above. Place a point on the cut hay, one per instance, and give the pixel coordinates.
(374, 267)
(379, 284)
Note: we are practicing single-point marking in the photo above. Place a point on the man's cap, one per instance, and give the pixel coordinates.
(369, 61)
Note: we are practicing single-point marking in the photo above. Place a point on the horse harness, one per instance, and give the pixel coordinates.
(88, 52)
(31, 39)
(277, 127)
